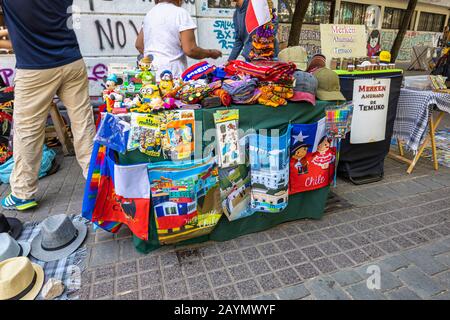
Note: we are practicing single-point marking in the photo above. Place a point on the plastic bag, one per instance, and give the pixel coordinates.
(48, 156)
(113, 133)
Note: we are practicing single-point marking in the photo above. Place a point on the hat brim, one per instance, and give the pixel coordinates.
(304, 96)
(38, 285)
(26, 248)
(39, 253)
(301, 65)
(330, 95)
(16, 227)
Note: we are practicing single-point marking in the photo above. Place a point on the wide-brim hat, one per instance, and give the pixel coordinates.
(20, 279)
(304, 96)
(12, 226)
(58, 250)
(11, 248)
(297, 55)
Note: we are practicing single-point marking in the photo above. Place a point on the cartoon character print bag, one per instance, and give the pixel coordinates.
(313, 157)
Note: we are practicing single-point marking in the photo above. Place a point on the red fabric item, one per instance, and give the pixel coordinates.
(101, 108)
(224, 96)
(112, 207)
(263, 70)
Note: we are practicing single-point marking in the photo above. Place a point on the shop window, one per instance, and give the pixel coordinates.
(319, 11)
(170, 211)
(393, 18)
(352, 13)
(431, 22)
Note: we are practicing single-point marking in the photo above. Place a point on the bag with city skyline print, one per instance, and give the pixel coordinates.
(235, 188)
(186, 200)
(269, 165)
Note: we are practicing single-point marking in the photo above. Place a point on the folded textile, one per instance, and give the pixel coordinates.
(262, 70)
(243, 91)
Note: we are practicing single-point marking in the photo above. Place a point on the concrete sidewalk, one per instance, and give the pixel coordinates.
(400, 225)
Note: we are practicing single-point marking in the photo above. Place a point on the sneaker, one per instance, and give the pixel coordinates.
(13, 203)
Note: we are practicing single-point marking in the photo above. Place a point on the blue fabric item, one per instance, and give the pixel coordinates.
(113, 133)
(243, 40)
(40, 33)
(47, 158)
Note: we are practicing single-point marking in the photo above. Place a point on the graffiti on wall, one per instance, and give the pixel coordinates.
(310, 40)
(309, 37)
(412, 39)
(224, 33)
(8, 75)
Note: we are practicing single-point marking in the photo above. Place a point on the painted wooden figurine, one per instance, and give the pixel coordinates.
(111, 95)
(145, 66)
(166, 83)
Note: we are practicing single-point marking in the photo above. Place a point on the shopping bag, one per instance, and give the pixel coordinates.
(124, 196)
(186, 200)
(269, 160)
(113, 133)
(313, 157)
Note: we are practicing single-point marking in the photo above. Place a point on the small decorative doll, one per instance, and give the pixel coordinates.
(166, 84)
(111, 95)
(145, 66)
(324, 156)
(151, 97)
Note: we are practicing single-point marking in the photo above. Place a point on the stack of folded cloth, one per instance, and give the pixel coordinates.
(242, 91)
(263, 42)
(279, 72)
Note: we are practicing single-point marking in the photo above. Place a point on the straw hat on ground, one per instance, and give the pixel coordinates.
(20, 279)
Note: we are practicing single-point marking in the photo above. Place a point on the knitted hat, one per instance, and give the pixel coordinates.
(317, 61)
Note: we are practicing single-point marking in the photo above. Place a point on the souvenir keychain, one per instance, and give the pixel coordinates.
(227, 125)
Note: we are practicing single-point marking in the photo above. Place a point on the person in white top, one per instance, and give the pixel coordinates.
(168, 34)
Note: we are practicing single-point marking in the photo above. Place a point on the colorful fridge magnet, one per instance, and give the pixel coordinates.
(227, 134)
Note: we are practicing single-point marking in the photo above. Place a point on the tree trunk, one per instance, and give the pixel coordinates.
(403, 28)
(297, 21)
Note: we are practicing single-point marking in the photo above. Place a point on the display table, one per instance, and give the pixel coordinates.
(414, 116)
(364, 163)
(304, 205)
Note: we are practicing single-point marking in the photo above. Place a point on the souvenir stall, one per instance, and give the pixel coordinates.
(221, 152)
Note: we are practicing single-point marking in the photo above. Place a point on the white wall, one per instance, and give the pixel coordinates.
(107, 30)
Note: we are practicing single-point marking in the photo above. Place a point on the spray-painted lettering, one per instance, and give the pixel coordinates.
(8, 75)
(225, 33)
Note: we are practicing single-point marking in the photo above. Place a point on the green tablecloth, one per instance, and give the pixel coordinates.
(304, 205)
